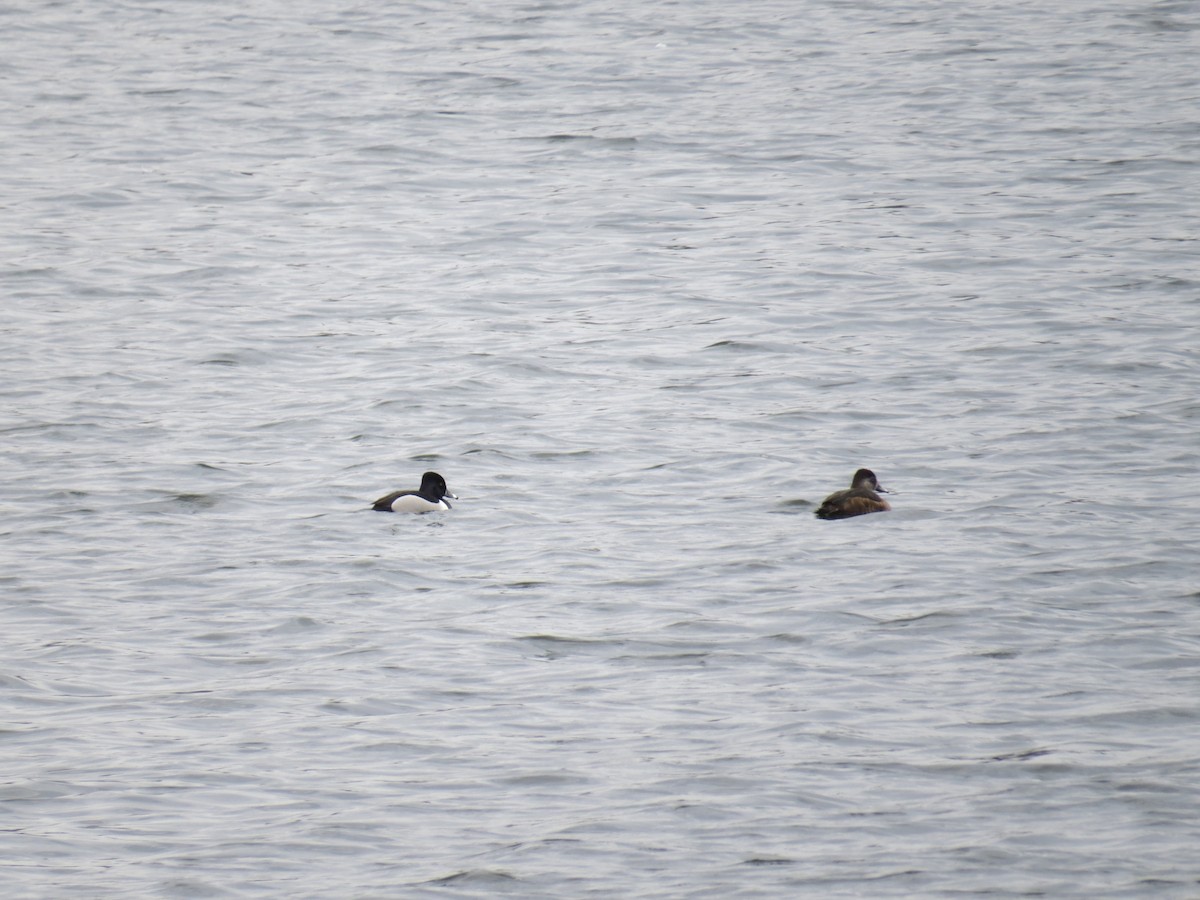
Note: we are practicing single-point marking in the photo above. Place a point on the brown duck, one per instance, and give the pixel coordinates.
(862, 498)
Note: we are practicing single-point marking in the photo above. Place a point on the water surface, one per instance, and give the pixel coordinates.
(644, 282)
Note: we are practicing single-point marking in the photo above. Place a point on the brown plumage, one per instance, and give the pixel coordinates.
(862, 498)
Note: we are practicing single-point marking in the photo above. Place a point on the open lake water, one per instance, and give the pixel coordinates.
(644, 281)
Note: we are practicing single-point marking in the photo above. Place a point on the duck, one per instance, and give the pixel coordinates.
(430, 497)
(862, 498)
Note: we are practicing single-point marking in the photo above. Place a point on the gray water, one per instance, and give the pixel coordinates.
(644, 281)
